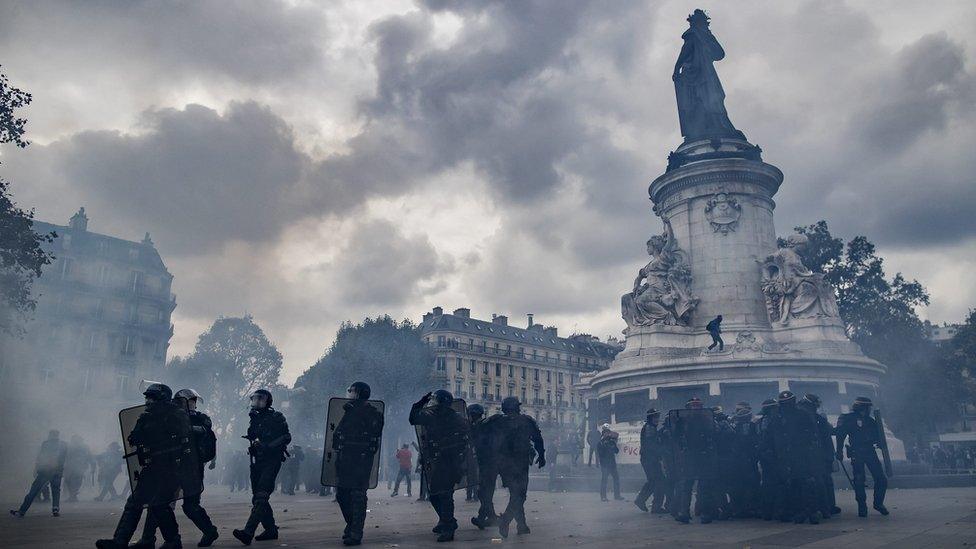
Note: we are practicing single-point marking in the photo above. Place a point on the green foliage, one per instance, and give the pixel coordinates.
(880, 315)
(21, 254)
(388, 355)
(231, 360)
(959, 360)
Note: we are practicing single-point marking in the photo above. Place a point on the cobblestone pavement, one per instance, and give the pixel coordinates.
(941, 517)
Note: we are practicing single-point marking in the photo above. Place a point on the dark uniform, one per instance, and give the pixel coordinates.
(653, 449)
(110, 464)
(76, 465)
(691, 433)
(796, 447)
(861, 430)
(518, 441)
(606, 451)
(444, 456)
(482, 437)
(356, 440)
(205, 440)
(826, 502)
(162, 438)
(744, 473)
(48, 469)
(269, 436)
(291, 478)
(772, 494)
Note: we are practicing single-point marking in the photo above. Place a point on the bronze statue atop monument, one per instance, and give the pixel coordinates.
(701, 99)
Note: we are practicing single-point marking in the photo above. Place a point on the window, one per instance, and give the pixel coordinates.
(560, 378)
(47, 376)
(521, 352)
(121, 383)
(511, 391)
(484, 392)
(484, 346)
(508, 350)
(523, 395)
(535, 354)
(484, 368)
(548, 397)
(537, 400)
(159, 348)
(132, 313)
(498, 369)
(547, 357)
(498, 392)
(471, 389)
(496, 348)
(128, 345)
(548, 376)
(440, 341)
(511, 371)
(133, 254)
(473, 367)
(441, 364)
(135, 281)
(470, 344)
(457, 389)
(66, 268)
(460, 367)
(101, 247)
(104, 274)
(523, 372)
(92, 341)
(535, 372)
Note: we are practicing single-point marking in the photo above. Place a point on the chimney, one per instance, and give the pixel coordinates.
(438, 311)
(550, 331)
(428, 316)
(530, 315)
(462, 312)
(501, 320)
(79, 221)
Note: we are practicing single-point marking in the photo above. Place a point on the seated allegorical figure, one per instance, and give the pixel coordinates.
(662, 289)
(791, 289)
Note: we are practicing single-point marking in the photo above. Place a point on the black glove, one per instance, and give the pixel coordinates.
(426, 398)
(541, 460)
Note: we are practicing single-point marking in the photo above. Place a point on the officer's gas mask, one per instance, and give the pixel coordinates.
(191, 404)
(259, 401)
(352, 393)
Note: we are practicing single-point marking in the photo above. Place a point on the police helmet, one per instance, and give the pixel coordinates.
(158, 391)
(265, 393)
(510, 405)
(786, 397)
(813, 399)
(362, 389)
(443, 396)
(694, 403)
(653, 412)
(862, 402)
(475, 411)
(188, 394)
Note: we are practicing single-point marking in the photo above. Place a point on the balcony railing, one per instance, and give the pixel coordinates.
(490, 351)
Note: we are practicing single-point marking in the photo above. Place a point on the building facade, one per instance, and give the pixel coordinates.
(484, 361)
(102, 325)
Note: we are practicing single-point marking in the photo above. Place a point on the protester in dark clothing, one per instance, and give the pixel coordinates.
(78, 462)
(518, 442)
(48, 469)
(291, 477)
(714, 329)
(607, 451)
(110, 465)
(593, 440)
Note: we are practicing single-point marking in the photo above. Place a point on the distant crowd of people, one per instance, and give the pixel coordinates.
(943, 457)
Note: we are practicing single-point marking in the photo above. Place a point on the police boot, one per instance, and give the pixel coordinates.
(522, 528)
(879, 507)
(243, 536)
(268, 534)
(108, 544)
(144, 543)
(208, 538)
(641, 505)
(174, 543)
(862, 509)
(503, 522)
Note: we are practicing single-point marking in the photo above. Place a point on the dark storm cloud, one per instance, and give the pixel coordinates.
(194, 177)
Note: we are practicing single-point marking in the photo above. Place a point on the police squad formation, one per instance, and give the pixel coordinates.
(775, 464)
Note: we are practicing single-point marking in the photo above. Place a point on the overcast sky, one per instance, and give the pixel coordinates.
(313, 162)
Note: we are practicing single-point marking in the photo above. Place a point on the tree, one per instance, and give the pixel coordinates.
(231, 360)
(388, 355)
(959, 360)
(880, 315)
(21, 254)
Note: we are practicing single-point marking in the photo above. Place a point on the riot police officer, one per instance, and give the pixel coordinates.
(444, 455)
(826, 500)
(269, 437)
(652, 452)
(206, 444)
(744, 477)
(356, 440)
(862, 431)
(772, 495)
(481, 438)
(518, 443)
(163, 440)
(692, 434)
(797, 451)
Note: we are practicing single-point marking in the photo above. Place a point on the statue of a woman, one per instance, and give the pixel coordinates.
(792, 290)
(701, 99)
(662, 290)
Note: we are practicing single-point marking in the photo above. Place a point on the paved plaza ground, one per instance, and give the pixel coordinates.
(939, 517)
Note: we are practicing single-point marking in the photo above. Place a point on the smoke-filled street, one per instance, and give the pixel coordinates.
(939, 517)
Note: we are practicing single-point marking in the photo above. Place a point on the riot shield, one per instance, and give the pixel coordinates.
(693, 438)
(883, 444)
(173, 461)
(352, 452)
(431, 449)
(795, 442)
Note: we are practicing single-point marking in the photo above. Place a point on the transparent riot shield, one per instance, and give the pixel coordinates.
(693, 436)
(352, 453)
(173, 461)
(432, 450)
